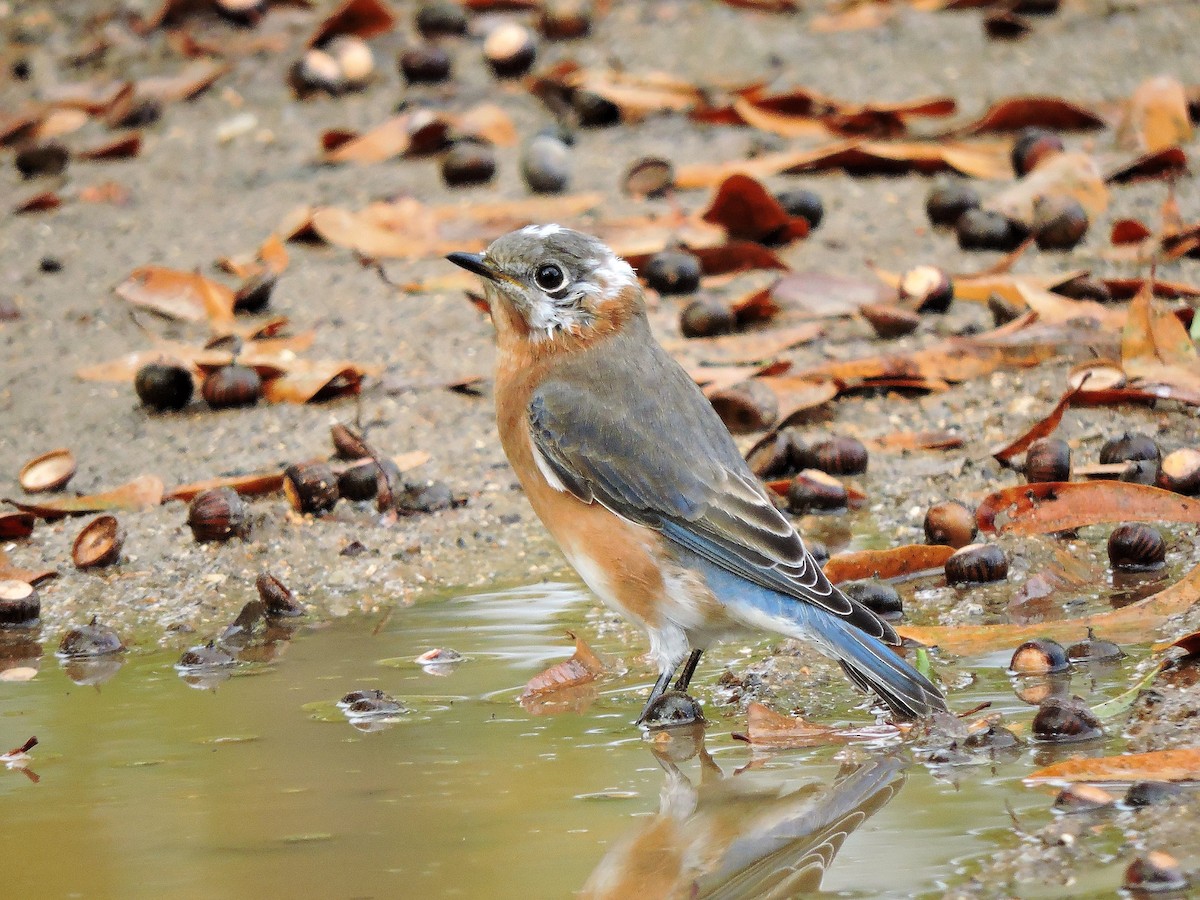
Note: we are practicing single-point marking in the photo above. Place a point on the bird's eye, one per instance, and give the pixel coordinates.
(550, 277)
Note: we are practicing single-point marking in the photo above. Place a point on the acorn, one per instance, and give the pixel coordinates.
(1180, 472)
(206, 656)
(890, 320)
(164, 385)
(47, 158)
(673, 272)
(1152, 793)
(276, 598)
(1059, 222)
(1085, 287)
(354, 58)
(316, 71)
(983, 229)
(746, 406)
(424, 64)
(47, 472)
(1093, 649)
(564, 20)
(218, 514)
(1048, 459)
(468, 162)
(441, 18)
(510, 50)
(949, 523)
(98, 543)
(91, 640)
(804, 204)
(948, 200)
(594, 111)
(1039, 657)
(1129, 447)
(650, 176)
(815, 491)
(1076, 798)
(1155, 872)
(546, 164)
(1034, 689)
(927, 288)
(1002, 309)
(1134, 547)
(310, 487)
(770, 458)
(881, 599)
(361, 482)
(253, 296)
(232, 386)
(976, 564)
(19, 604)
(431, 496)
(839, 455)
(1065, 719)
(706, 317)
(1031, 146)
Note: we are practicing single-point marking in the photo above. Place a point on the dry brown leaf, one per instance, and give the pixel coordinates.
(418, 131)
(748, 211)
(802, 113)
(1015, 113)
(1041, 429)
(194, 80)
(1155, 765)
(247, 485)
(178, 295)
(105, 192)
(9, 572)
(1170, 162)
(819, 295)
(14, 526)
(897, 562)
(42, 201)
(58, 122)
(917, 440)
(141, 493)
(797, 395)
(1156, 117)
(857, 17)
(637, 96)
(955, 360)
(746, 348)
(488, 122)
(1057, 506)
(361, 18)
(121, 147)
(1156, 348)
(306, 381)
(767, 728)
(583, 666)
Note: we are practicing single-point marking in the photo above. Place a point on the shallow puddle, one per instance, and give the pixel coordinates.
(260, 787)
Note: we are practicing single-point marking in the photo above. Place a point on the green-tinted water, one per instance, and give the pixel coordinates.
(260, 787)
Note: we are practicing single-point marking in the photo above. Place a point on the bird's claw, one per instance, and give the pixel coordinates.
(671, 710)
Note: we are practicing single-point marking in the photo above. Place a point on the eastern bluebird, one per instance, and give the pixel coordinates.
(638, 480)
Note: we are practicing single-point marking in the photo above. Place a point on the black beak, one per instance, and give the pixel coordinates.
(473, 262)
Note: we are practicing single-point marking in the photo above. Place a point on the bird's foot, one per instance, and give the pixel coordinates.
(671, 710)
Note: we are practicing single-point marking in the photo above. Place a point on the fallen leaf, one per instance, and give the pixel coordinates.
(1041, 429)
(584, 666)
(188, 296)
(1156, 348)
(188, 84)
(1188, 643)
(767, 728)
(917, 440)
(636, 95)
(1155, 765)
(1064, 174)
(43, 201)
(419, 131)
(9, 572)
(310, 381)
(897, 562)
(121, 147)
(247, 485)
(819, 295)
(802, 113)
(361, 18)
(1156, 117)
(1167, 163)
(748, 211)
(1015, 113)
(488, 122)
(797, 395)
(105, 192)
(14, 526)
(955, 360)
(1057, 506)
(747, 347)
(857, 17)
(144, 492)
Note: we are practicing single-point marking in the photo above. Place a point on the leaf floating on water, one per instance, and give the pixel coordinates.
(144, 492)
(1157, 765)
(767, 728)
(894, 563)
(1057, 506)
(583, 667)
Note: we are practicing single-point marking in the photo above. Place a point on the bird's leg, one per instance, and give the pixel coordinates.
(660, 688)
(689, 669)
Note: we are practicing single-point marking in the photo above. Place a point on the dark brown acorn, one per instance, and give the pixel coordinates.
(1059, 222)
(927, 289)
(982, 229)
(316, 71)
(564, 20)
(19, 604)
(1032, 146)
(1039, 657)
(706, 317)
(310, 487)
(977, 564)
(1093, 649)
(91, 640)
(276, 598)
(1130, 447)
(164, 385)
(1180, 472)
(673, 272)
(546, 164)
(1048, 459)
(594, 111)
(49, 158)
(253, 296)
(1134, 546)
(441, 19)
(1064, 719)
(804, 204)
(838, 455)
(99, 543)
(1153, 793)
(468, 162)
(361, 482)
(232, 386)
(1155, 872)
(881, 599)
(746, 406)
(949, 523)
(424, 64)
(1085, 288)
(815, 491)
(218, 514)
(1076, 798)
(948, 200)
(890, 320)
(510, 50)
(354, 59)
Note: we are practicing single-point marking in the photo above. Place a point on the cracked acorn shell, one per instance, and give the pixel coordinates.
(99, 543)
(510, 50)
(218, 514)
(1180, 472)
(928, 288)
(47, 472)
(311, 487)
(977, 564)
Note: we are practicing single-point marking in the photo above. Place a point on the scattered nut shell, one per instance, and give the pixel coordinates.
(99, 543)
(546, 165)
(468, 162)
(47, 472)
(706, 317)
(804, 204)
(746, 406)
(948, 200)
(311, 487)
(424, 64)
(1076, 798)
(1039, 657)
(89, 641)
(276, 598)
(510, 50)
(231, 387)
(1155, 872)
(927, 288)
(815, 491)
(1031, 147)
(1065, 719)
(1180, 472)
(890, 320)
(19, 603)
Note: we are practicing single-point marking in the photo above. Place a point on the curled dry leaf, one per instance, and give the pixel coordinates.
(246, 485)
(419, 131)
(801, 113)
(747, 211)
(1156, 765)
(42, 201)
(797, 395)
(123, 146)
(1057, 506)
(361, 18)
(14, 526)
(898, 562)
(1169, 162)
(1156, 348)
(956, 360)
(188, 84)
(1156, 117)
(9, 572)
(143, 492)
(488, 122)
(918, 440)
(306, 381)
(47, 472)
(1134, 623)
(1041, 429)
(584, 666)
(1015, 113)
(767, 728)
(820, 295)
(188, 296)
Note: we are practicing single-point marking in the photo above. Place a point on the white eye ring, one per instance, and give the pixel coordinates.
(550, 277)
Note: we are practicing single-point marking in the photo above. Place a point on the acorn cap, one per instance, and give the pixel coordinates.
(1129, 446)
(1155, 871)
(889, 319)
(927, 289)
(707, 317)
(510, 50)
(468, 162)
(1082, 798)
(1180, 472)
(47, 472)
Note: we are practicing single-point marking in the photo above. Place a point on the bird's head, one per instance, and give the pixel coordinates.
(554, 283)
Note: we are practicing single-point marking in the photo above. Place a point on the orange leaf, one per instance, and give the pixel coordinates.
(143, 492)
(1057, 506)
(1155, 347)
(767, 728)
(361, 18)
(178, 295)
(416, 131)
(1156, 117)
(9, 572)
(246, 485)
(122, 147)
(1015, 113)
(894, 563)
(1156, 765)
(191, 82)
(16, 525)
(584, 666)
(43, 201)
(1065, 174)
(1041, 429)
(918, 440)
(306, 381)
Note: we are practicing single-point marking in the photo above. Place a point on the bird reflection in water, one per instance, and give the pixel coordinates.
(732, 837)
